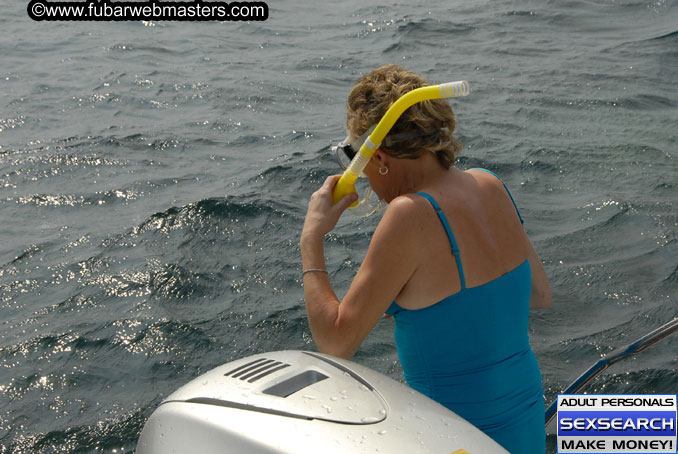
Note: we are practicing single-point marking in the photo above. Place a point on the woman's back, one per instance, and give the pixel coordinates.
(486, 227)
(470, 351)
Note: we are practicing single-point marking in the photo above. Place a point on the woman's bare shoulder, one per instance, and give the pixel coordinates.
(494, 193)
(485, 178)
(405, 215)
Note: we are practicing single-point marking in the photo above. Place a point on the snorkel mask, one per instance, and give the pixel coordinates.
(362, 149)
(346, 151)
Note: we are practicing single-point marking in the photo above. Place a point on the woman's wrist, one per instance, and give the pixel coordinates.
(312, 251)
(310, 238)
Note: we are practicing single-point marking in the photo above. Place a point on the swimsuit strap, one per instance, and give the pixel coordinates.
(507, 191)
(450, 236)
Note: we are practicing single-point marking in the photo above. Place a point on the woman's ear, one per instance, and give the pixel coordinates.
(381, 156)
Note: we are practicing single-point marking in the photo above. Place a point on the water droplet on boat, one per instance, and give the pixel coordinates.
(369, 419)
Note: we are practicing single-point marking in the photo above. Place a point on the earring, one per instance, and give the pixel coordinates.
(383, 170)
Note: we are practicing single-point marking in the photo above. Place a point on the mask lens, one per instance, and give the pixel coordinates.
(349, 151)
(346, 150)
(345, 154)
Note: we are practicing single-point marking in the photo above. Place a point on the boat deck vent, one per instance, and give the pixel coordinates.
(256, 369)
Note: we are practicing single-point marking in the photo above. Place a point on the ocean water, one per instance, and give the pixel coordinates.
(154, 179)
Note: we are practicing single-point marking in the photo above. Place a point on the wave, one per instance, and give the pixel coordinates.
(667, 36)
(200, 215)
(108, 434)
(417, 34)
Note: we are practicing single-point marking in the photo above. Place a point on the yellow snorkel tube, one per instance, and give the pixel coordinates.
(346, 184)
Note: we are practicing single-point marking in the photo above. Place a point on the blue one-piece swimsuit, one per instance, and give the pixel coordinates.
(471, 353)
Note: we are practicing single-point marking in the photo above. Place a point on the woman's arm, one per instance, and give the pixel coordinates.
(339, 327)
(541, 289)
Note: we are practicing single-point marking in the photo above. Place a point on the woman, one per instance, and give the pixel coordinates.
(449, 259)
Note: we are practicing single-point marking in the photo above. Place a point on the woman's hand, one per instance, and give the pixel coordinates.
(323, 213)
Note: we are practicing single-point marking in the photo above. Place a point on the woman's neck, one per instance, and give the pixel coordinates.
(416, 174)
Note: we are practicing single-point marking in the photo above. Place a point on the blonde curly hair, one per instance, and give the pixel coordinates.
(426, 127)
